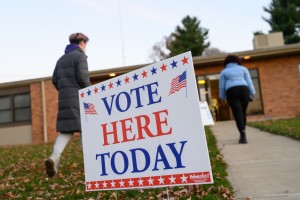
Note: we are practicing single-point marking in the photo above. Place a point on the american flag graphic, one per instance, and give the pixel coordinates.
(89, 108)
(178, 83)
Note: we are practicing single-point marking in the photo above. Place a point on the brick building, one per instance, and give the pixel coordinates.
(28, 108)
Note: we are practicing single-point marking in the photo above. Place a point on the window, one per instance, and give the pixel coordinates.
(5, 110)
(22, 107)
(255, 107)
(299, 70)
(15, 108)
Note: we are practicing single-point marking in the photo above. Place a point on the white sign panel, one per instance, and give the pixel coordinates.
(144, 129)
(207, 118)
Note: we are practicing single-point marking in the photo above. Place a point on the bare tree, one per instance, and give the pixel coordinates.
(159, 50)
(212, 51)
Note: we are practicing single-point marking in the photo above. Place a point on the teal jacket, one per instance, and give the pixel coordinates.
(234, 75)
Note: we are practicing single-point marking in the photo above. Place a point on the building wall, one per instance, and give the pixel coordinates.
(16, 135)
(52, 108)
(36, 113)
(280, 86)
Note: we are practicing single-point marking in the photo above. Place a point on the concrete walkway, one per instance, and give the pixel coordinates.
(268, 167)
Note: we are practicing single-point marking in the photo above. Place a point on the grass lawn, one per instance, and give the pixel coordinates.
(22, 176)
(287, 127)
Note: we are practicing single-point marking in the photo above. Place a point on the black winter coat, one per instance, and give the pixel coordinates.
(70, 74)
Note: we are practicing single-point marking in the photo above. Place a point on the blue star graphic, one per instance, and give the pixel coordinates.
(135, 77)
(118, 82)
(103, 87)
(174, 64)
(153, 70)
(89, 92)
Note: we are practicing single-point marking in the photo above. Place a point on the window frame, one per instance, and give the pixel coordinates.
(258, 91)
(7, 109)
(299, 71)
(11, 93)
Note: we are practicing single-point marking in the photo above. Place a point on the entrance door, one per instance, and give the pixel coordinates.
(209, 91)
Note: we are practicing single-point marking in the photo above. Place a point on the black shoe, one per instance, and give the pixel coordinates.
(50, 170)
(243, 139)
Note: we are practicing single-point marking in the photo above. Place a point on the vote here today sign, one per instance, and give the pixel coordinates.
(143, 129)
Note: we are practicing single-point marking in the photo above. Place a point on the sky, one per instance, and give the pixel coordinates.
(34, 33)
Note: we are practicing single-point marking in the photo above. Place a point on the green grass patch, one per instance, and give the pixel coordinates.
(287, 127)
(22, 176)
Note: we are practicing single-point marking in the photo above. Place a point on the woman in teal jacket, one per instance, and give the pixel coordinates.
(236, 86)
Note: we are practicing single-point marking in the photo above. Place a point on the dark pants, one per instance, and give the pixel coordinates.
(238, 99)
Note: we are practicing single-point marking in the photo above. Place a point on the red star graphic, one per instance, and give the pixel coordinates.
(82, 94)
(96, 90)
(163, 67)
(126, 80)
(144, 74)
(110, 85)
(184, 60)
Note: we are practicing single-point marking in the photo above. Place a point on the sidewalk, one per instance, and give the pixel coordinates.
(268, 167)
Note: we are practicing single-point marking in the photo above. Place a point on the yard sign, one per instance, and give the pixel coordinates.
(143, 129)
(206, 116)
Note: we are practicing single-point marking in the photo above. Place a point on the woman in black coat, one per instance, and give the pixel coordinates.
(70, 74)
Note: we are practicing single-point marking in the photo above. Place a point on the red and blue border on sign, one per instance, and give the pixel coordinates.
(123, 80)
(150, 181)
